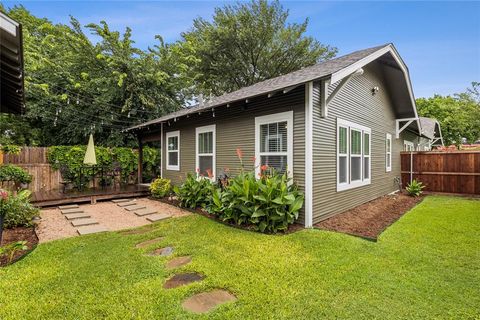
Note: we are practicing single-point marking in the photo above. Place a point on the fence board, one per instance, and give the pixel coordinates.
(450, 172)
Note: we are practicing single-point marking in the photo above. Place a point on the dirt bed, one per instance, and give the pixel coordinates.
(370, 219)
(18, 234)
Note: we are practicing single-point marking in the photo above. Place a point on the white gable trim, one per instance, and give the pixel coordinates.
(309, 155)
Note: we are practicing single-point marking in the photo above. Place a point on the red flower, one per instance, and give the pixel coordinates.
(239, 153)
(198, 170)
(264, 167)
(3, 195)
(209, 173)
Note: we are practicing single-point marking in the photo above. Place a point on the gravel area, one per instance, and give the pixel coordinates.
(54, 226)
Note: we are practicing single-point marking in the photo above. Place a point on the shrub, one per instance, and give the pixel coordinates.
(10, 149)
(17, 210)
(9, 250)
(14, 173)
(160, 187)
(414, 188)
(194, 192)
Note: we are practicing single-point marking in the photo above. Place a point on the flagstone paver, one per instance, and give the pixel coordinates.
(162, 252)
(157, 217)
(145, 212)
(74, 210)
(121, 200)
(182, 279)
(83, 222)
(206, 301)
(178, 262)
(79, 215)
(91, 229)
(136, 207)
(127, 204)
(148, 242)
(70, 206)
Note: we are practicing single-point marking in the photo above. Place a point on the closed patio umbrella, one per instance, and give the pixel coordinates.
(90, 157)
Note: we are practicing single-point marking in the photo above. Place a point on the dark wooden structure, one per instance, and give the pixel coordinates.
(449, 172)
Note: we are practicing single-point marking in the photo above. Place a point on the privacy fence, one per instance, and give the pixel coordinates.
(450, 172)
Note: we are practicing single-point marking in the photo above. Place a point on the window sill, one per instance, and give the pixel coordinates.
(169, 168)
(353, 185)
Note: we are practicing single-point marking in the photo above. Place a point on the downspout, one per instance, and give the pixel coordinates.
(161, 150)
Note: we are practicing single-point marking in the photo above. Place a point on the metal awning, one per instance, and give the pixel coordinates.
(11, 66)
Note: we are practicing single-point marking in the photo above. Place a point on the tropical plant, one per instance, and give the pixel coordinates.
(14, 173)
(194, 192)
(9, 250)
(160, 187)
(415, 188)
(3, 209)
(17, 210)
(10, 149)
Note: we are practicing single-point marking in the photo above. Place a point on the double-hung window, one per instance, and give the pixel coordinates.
(205, 150)
(353, 155)
(388, 152)
(173, 150)
(274, 142)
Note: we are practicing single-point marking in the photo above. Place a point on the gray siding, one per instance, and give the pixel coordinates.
(354, 103)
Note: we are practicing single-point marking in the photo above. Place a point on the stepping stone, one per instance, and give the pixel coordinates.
(70, 206)
(83, 222)
(206, 301)
(76, 210)
(145, 212)
(182, 279)
(136, 207)
(91, 229)
(121, 200)
(162, 252)
(148, 242)
(157, 217)
(126, 204)
(80, 215)
(178, 262)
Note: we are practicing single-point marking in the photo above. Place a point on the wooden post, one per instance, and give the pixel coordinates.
(140, 160)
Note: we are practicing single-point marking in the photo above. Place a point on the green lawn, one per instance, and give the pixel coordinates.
(427, 265)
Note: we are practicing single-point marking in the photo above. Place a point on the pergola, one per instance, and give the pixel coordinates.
(11, 66)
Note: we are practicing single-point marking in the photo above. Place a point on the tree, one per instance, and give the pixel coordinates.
(247, 43)
(458, 115)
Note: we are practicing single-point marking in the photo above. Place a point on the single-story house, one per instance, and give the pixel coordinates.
(336, 127)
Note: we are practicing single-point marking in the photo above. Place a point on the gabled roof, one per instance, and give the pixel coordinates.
(335, 69)
(11, 66)
(430, 128)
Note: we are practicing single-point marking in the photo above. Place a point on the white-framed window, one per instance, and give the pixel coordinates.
(274, 142)
(408, 146)
(353, 155)
(388, 152)
(205, 151)
(173, 150)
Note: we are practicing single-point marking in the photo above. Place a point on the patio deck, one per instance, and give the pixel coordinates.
(57, 197)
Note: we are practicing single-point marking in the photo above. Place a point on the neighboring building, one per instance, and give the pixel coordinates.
(337, 127)
(431, 136)
(11, 66)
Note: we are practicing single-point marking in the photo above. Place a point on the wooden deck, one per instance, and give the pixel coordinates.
(57, 197)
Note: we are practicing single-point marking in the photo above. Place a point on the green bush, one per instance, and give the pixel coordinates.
(194, 192)
(160, 187)
(10, 149)
(14, 173)
(414, 188)
(17, 210)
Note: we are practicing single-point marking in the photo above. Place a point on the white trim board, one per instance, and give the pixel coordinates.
(309, 155)
(172, 134)
(211, 128)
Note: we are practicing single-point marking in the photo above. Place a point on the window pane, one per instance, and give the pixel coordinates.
(173, 143)
(388, 145)
(277, 162)
(366, 168)
(205, 142)
(356, 142)
(342, 167)
(366, 143)
(388, 160)
(342, 140)
(173, 158)
(205, 163)
(356, 168)
(273, 137)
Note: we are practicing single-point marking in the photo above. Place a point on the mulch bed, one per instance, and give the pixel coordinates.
(19, 234)
(370, 219)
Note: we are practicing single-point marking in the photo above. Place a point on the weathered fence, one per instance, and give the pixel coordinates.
(34, 160)
(450, 172)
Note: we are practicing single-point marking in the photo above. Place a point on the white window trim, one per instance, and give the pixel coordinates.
(272, 118)
(368, 156)
(388, 153)
(198, 130)
(409, 144)
(358, 183)
(170, 135)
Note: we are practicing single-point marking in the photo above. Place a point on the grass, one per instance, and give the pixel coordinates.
(427, 265)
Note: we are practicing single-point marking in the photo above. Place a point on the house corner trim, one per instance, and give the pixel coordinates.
(308, 154)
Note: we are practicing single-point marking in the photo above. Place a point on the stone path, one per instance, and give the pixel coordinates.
(162, 252)
(182, 279)
(150, 214)
(206, 301)
(178, 262)
(81, 220)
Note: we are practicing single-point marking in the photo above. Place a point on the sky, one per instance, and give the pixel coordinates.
(439, 41)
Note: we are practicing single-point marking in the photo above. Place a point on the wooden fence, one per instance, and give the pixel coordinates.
(450, 172)
(34, 160)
